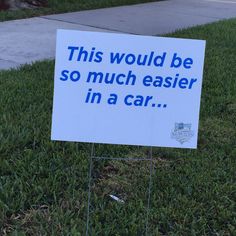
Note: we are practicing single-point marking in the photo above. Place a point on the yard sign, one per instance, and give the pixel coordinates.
(127, 89)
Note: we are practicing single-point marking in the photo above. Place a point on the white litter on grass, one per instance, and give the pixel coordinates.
(116, 198)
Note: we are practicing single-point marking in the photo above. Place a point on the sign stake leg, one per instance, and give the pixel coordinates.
(149, 190)
(89, 186)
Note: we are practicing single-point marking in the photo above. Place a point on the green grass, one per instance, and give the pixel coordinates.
(43, 184)
(61, 6)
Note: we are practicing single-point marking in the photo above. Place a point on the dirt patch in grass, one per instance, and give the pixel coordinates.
(6, 5)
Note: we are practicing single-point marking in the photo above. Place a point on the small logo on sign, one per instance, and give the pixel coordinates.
(182, 132)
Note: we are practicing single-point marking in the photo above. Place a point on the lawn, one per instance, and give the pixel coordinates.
(61, 6)
(43, 184)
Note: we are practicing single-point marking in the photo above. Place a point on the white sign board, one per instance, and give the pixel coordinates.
(127, 89)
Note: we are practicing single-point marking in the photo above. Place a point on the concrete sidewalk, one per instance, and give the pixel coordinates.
(29, 40)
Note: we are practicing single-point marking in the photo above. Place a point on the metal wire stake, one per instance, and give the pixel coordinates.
(89, 187)
(149, 189)
(92, 156)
